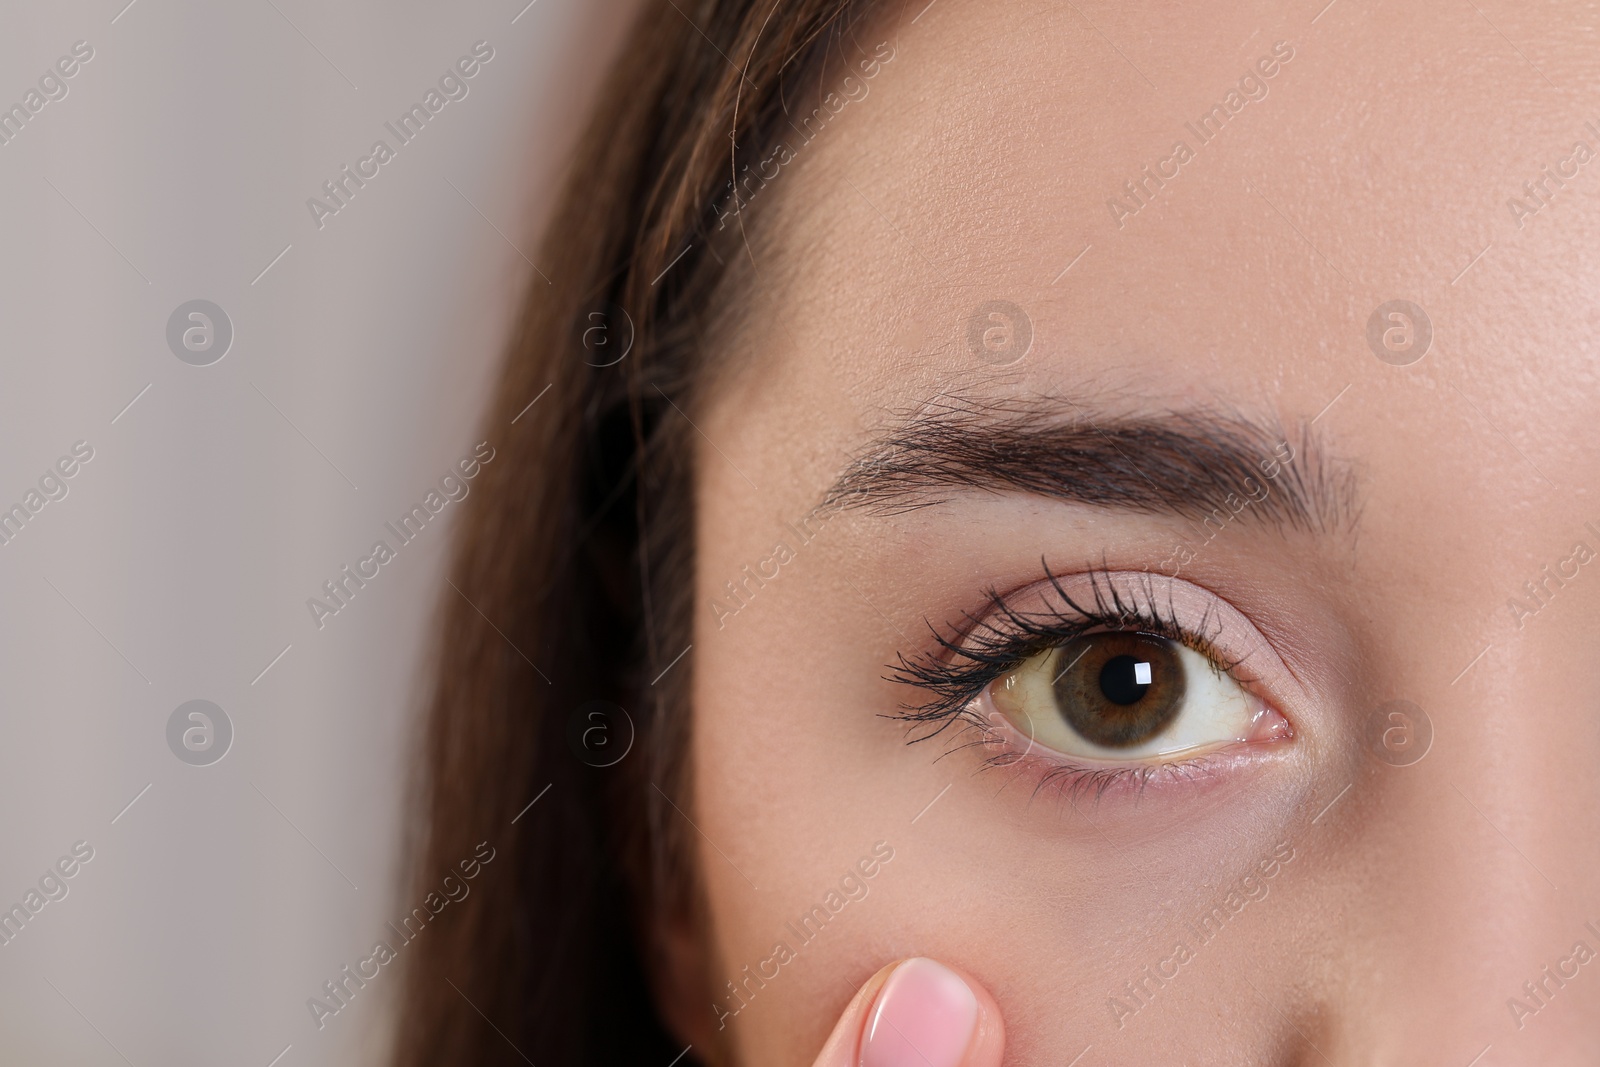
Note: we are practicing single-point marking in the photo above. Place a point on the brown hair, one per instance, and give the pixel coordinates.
(573, 566)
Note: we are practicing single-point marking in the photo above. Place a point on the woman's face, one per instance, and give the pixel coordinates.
(1269, 333)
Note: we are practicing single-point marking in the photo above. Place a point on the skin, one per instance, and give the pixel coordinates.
(977, 167)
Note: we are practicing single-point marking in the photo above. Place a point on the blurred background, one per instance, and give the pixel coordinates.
(245, 388)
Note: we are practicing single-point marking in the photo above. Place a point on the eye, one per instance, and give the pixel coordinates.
(1126, 695)
(1108, 680)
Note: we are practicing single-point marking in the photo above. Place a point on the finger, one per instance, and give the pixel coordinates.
(917, 1013)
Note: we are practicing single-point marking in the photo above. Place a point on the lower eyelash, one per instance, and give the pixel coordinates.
(991, 645)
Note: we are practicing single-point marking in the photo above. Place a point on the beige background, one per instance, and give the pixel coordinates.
(179, 564)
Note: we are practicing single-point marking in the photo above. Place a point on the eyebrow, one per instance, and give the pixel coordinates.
(1187, 463)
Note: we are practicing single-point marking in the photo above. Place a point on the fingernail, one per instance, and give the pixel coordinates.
(924, 1017)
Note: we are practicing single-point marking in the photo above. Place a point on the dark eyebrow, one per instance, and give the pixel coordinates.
(1182, 463)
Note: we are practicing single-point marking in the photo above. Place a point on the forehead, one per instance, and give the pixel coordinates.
(1180, 206)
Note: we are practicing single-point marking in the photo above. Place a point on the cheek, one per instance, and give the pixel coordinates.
(796, 780)
(798, 775)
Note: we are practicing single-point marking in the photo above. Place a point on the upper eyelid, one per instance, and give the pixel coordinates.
(1289, 688)
(1117, 610)
(960, 684)
(932, 674)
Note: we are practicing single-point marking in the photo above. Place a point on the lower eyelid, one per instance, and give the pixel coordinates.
(1204, 772)
(1200, 771)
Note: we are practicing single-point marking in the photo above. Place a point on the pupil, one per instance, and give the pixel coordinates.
(1119, 680)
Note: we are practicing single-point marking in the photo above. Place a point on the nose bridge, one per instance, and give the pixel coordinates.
(1477, 924)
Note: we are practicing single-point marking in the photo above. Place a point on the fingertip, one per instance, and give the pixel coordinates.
(989, 1038)
(843, 1044)
(918, 1012)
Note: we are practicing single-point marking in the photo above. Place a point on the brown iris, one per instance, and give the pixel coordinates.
(1117, 689)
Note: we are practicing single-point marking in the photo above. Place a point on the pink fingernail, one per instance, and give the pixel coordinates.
(924, 1017)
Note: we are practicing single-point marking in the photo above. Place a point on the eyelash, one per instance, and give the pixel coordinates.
(1001, 638)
